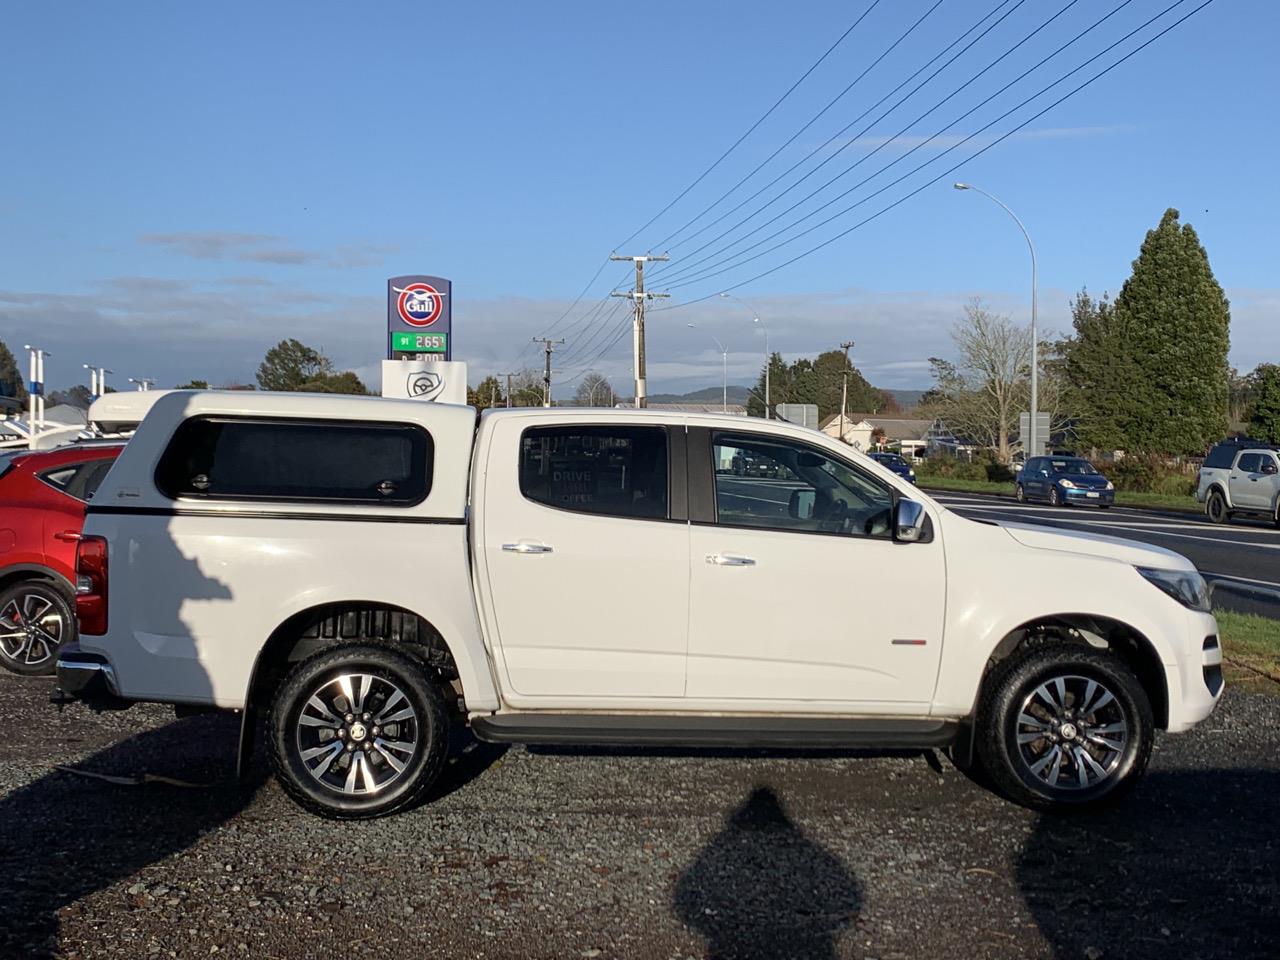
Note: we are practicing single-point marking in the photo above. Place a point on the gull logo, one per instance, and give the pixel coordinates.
(419, 304)
(424, 385)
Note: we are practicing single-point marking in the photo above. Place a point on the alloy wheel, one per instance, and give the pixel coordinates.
(357, 733)
(31, 629)
(1071, 733)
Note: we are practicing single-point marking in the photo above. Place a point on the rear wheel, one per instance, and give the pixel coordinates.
(1064, 726)
(35, 619)
(1216, 508)
(358, 732)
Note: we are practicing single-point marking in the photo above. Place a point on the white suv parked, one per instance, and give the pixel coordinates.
(367, 572)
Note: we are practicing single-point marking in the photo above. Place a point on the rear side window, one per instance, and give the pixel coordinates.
(310, 461)
(1221, 456)
(615, 471)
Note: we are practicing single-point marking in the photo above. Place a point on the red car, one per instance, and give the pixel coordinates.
(42, 499)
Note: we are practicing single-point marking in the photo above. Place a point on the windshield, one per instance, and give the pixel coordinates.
(1075, 467)
(891, 458)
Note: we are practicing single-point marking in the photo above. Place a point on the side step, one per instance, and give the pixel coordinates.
(716, 731)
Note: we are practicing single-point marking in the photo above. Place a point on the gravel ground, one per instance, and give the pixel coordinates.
(602, 853)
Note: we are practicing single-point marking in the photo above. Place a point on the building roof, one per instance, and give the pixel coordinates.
(895, 428)
(854, 420)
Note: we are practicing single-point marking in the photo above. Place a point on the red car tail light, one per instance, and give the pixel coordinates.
(91, 585)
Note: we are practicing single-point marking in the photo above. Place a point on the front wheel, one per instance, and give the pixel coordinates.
(358, 732)
(1019, 494)
(35, 619)
(1055, 497)
(1064, 726)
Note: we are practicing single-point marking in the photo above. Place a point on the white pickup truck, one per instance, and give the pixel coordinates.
(367, 572)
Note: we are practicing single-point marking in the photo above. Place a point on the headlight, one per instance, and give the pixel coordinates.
(1068, 484)
(1110, 485)
(911, 473)
(1185, 586)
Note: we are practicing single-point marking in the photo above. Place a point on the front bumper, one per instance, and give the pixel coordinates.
(1096, 497)
(87, 678)
(1199, 674)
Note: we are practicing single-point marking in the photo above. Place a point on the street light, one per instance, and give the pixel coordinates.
(724, 379)
(1035, 344)
(768, 359)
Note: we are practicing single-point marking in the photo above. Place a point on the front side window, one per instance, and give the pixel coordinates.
(310, 461)
(613, 471)
(1250, 463)
(781, 485)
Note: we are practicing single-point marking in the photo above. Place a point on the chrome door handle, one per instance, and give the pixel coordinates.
(526, 546)
(67, 536)
(730, 560)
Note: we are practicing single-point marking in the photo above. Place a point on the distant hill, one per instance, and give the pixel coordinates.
(739, 394)
(906, 398)
(706, 395)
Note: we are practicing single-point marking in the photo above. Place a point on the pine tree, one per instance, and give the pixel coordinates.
(1101, 378)
(1264, 420)
(11, 381)
(1173, 324)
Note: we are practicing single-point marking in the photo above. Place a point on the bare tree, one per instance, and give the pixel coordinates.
(526, 388)
(981, 395)
(593, 391)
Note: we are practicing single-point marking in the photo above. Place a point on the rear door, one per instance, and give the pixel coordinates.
(587, 553)
(798, 591)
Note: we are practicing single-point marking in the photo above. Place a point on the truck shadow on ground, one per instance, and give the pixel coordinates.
(67, 836)
(1190, 864)
(762, 889)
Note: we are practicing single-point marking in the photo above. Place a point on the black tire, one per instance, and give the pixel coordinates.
(1216, 507)
(1019, 494)
(361, 746)
(1013, 692)
(1055, 498)
(1104, 506)
(36, 618)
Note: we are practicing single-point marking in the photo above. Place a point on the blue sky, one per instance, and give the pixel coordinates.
(181, 186)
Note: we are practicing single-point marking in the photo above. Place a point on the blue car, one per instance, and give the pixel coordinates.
(895, 463)
(1063, 481)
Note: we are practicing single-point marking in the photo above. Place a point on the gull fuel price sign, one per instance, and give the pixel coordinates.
(419, 318)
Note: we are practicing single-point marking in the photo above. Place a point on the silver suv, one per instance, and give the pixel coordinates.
(1240, 477)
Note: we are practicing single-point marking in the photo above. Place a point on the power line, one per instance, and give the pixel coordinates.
(663, 244)
(843, 130)
(689, 268)
(705, 272)
(683, 193)
(951, 170)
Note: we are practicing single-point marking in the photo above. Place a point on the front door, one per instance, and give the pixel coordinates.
(588, 568)
(798, 590)
(1249, 485)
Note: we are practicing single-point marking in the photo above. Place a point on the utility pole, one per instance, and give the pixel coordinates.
(508, 376)
(548, 347)
(844, 392)
(638, 298)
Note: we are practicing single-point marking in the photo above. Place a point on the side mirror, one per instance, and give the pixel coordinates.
(909, 523)
(800, 506)
(1269, 467)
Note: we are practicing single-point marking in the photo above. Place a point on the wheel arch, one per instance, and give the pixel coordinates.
(332, 623)
(1129, 644)
(1218, 487)
(34, 571)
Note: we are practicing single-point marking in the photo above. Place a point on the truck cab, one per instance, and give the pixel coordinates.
(369, 572)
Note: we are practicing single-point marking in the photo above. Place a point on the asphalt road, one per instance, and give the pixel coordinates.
(610, 853)
(1241, 559)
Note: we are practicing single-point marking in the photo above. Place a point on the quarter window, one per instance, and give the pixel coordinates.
(315, 461)
(615, 471)
(779, 485)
